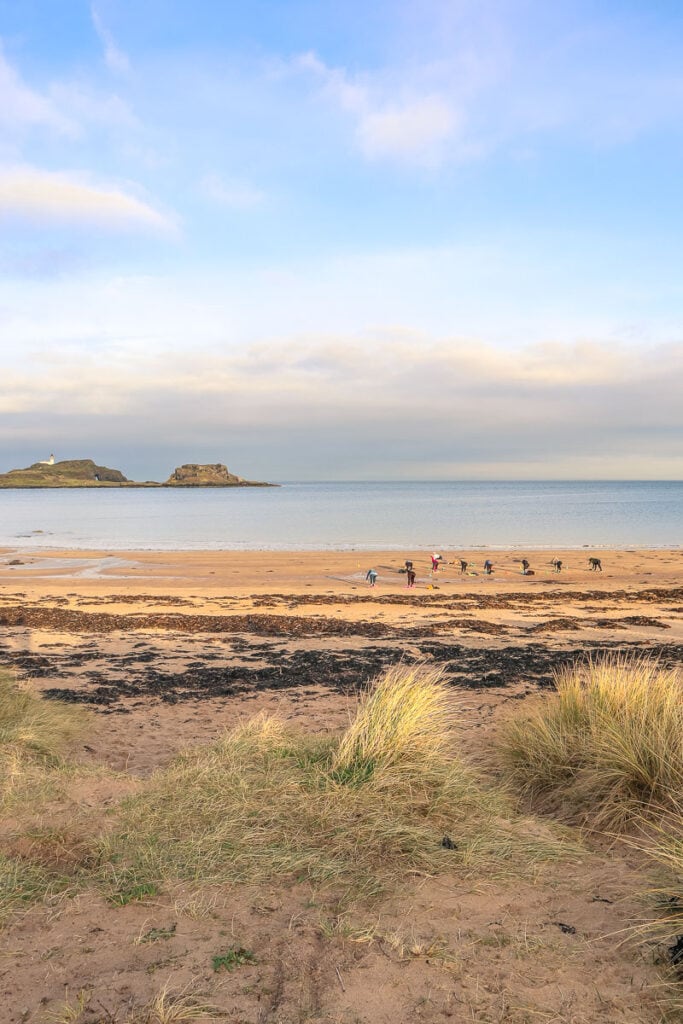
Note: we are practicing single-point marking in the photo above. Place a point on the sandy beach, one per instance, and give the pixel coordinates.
(142, 632)
(168, 650)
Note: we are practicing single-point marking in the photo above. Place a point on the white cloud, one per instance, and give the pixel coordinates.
(22, 107)
(408, 131)
(29, 193)
(87, 106)
(65, 108)
(173, 354)
(115, 59)
(393, 121)
(231, 192)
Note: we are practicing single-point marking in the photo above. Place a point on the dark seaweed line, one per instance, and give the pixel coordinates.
(348, 671)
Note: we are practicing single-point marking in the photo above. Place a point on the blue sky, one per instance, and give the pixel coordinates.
(322, 240)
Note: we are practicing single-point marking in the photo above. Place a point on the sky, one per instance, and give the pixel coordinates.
(363, 240)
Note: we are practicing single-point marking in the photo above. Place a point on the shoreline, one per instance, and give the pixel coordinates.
(249, 572)
(426, 549)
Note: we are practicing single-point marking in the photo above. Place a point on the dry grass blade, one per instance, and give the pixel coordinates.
(607, 746)
(164, 1008)
(167, 1008)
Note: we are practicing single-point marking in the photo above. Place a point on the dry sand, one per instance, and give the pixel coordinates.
(169, 649)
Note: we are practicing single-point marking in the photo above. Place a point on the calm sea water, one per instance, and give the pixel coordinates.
(300, 516)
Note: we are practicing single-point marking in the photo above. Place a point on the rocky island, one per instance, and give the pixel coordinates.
(70, 473)
(86, 473)
(216, 475)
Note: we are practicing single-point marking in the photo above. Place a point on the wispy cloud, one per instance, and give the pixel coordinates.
(410, 127)
(231, 192)
(66, 109)
(32, 194)
(413, 130)
(22, 107)
(115, 59)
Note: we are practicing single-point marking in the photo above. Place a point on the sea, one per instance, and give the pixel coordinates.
(349, 516)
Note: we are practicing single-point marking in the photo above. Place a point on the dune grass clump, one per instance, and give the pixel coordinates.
(31, 727)
(403, 724)
(607, 746)
(663, 842)
(34, 735)
(356, 814)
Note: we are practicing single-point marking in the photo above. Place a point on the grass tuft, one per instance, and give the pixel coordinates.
(22, 882)
(607, 746)
(663, 841)
(34, 733)
(134, 892)
(404, 724)
(164, 1008)
(355, 816)
(31, 724)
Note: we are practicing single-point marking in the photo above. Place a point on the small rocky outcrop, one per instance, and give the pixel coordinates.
(69, 473)
(194, 474)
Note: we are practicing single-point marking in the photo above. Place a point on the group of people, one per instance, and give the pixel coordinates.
(595, 565)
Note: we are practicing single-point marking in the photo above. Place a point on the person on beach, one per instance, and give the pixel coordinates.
(463, 566)
(435, 561)
(595, 564)
(371, 576)
(557, 563)
(488, 567)
(525, 566)
(411, 575)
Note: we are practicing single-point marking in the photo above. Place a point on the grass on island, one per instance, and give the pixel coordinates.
(392, 798)
(607, 747)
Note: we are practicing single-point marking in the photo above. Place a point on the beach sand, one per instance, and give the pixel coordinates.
(169, 649)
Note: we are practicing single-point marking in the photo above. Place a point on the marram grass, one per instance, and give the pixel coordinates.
(34, 734)
(31, 725)
(355, 815)
(607, 746)
(404, 723)
(663, 842)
